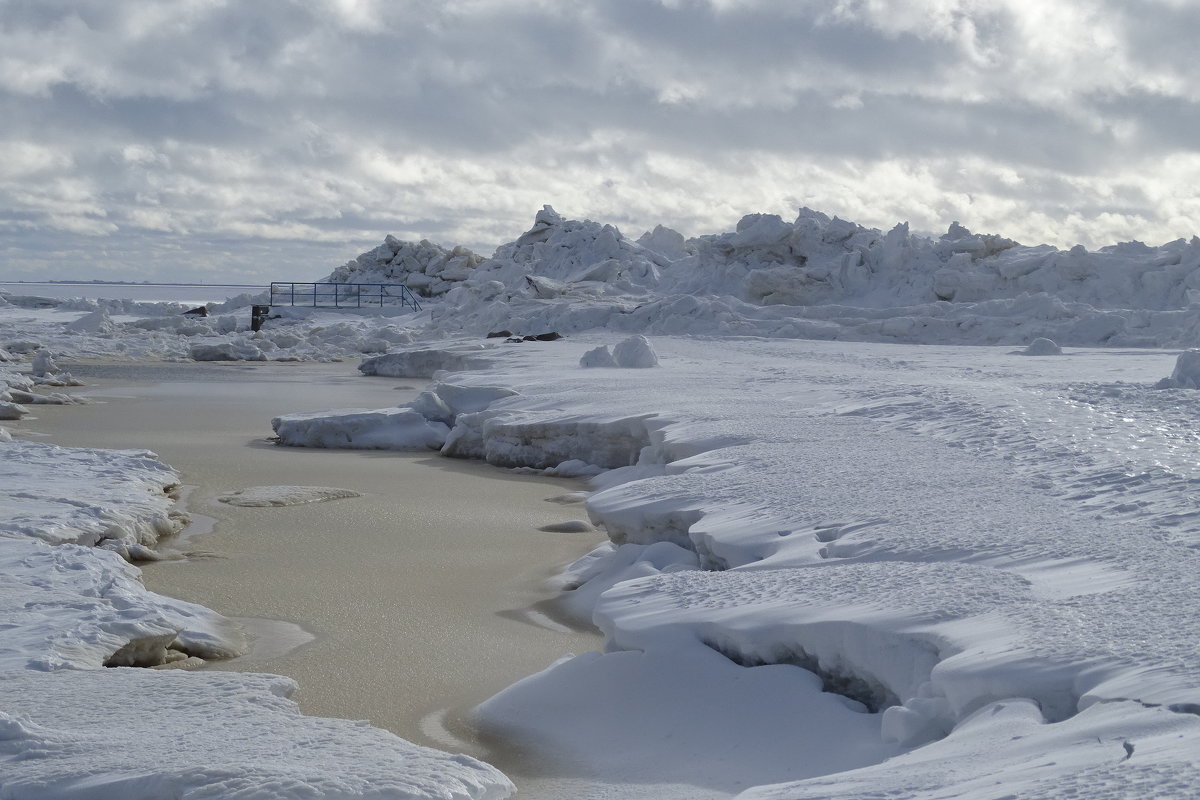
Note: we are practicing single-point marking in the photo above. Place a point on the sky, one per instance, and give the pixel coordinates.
(218, 140)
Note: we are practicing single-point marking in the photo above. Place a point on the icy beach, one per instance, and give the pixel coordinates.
(888, 516)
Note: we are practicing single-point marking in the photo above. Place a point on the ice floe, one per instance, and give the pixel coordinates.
(268, 496)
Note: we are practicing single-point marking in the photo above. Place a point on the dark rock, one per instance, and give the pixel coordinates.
(499, 334)
(198, 311)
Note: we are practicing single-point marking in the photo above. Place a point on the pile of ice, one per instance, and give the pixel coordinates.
(816, 277)
(17, 390)
(424, 267)
(65, 331)
(636, 352)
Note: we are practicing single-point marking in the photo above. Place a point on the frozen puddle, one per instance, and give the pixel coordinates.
(270, 639)
(267, 496)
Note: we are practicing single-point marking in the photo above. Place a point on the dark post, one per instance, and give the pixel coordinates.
(257, 315)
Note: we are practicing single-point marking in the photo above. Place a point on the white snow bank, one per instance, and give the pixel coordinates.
(761, 725)
(72, 607)
(142, 733)
(116, 499)
(1108, 752)
(72, 728)
(931, 532)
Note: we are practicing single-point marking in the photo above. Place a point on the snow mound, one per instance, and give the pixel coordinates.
(1186, 374)
(424, 267)
(635, 353)
(268, 496)
(116, 499)
(96, 322)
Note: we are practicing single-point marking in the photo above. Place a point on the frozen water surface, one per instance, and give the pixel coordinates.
(840, 565)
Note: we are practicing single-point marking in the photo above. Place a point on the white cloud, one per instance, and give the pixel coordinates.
(219, 125)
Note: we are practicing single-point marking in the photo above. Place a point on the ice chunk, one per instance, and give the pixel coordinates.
(635, 352)
(598, 357)
(356, 428)
(266, 496)
(43, 364)
(1186, 374)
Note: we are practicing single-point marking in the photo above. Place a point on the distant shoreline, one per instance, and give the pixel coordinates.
(134, 283)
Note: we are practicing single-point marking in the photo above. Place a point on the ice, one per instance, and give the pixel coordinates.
(424, 267)
(143, 733)
(858, 545)
(271, 496)
(905, 523)
(76, 722)
(1186, 374)
(382, 429)
(635, 352)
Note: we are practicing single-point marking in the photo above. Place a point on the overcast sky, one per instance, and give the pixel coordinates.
(248, 141)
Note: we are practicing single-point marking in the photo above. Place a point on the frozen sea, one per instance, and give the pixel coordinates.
(869, 533)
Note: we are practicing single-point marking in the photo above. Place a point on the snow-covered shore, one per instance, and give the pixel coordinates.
(883, 562)
(942, 534)
(81, 718)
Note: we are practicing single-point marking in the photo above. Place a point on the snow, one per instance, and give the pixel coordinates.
(858, 544)
(1186, 373)
(142, 734)
(932, 531)
(77, 722)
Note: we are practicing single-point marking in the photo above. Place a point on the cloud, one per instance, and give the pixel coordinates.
(205, 128)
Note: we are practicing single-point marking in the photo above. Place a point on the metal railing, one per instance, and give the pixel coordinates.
(343, 295)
